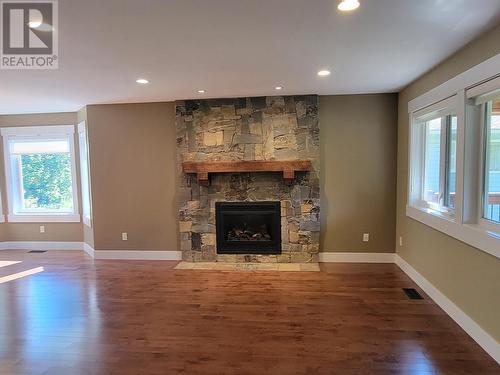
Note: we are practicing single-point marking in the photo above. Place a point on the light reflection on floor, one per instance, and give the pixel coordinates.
(421, 366)
(59, 318)
(5, 263)
(19, 275)
(63, 311)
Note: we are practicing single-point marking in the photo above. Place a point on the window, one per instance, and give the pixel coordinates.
(432, 157)
(491, 164)
(484, 102)
(454, 157)
(40, 171)
(84, 174)
(434, 148)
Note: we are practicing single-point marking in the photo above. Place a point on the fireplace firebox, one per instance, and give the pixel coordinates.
(248, 227)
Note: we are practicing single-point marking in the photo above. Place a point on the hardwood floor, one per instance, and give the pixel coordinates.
(81, 316)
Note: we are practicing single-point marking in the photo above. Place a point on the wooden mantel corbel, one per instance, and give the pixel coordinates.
(288, 168)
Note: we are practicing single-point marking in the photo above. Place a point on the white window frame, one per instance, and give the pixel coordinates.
(478, 96)
(39, 133)
(2, 216)
(85, 174)
(418, 119)
(467, 225)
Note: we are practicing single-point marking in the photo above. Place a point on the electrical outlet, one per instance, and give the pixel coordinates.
(366, 237)
(124, 236)
(42, 228)
(400, 240)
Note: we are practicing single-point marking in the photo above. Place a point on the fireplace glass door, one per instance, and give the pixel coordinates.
(248, 227)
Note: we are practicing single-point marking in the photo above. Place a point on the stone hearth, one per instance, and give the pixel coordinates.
(263, 128)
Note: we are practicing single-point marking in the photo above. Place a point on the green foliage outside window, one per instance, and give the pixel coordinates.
(47, 181)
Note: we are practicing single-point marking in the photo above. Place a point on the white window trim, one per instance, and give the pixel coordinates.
(39, 131)
(43, 218)
(481, 221)
(472, 232)
(469, 233)
(484, 71)
(82, 130)
(441, 110)
(2, 216)
(87, 220)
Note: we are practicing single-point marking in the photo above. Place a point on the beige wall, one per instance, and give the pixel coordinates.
(466, 275)
(132, 154)
(358, 177)
(31, 231)
(132, 157)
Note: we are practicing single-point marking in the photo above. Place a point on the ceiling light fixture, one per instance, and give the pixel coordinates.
(348, 5)
(201, 91)
(324, 73)
(142, 81)
(278, 88)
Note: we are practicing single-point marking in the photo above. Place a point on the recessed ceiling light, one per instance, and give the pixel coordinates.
(201, 91)
(324, 73)
(348, 5)
(142, 81)
(278, 88)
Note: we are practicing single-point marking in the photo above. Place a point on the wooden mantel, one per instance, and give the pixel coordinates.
(202, 169)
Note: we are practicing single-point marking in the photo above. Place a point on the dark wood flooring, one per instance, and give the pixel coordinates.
(81, 316)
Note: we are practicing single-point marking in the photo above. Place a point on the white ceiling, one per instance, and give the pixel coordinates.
(240, 48)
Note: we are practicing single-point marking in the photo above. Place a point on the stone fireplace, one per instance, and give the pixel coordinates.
(219, 212)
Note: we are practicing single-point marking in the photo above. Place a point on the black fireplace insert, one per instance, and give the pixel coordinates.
(248, 227)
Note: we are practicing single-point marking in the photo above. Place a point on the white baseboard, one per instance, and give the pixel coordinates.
(137, 254)
(96, 254)
(40, 245)
(357, 257)
(488, 343)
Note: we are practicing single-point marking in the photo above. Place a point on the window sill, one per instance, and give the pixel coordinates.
(440, 213)
(43, 218)
(470, 234)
